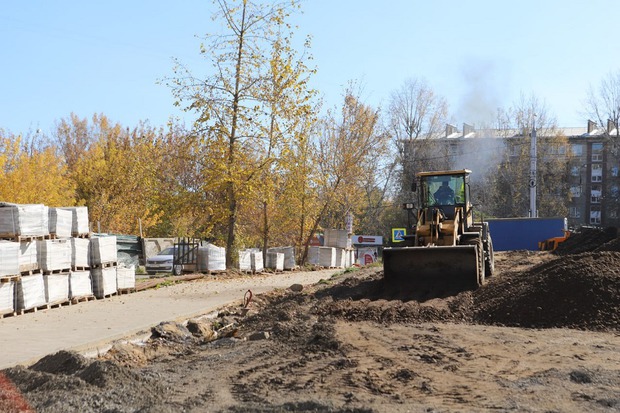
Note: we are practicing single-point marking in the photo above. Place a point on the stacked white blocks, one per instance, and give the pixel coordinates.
(289, 256)
(103, 260)
(274, 261)
(212, 258)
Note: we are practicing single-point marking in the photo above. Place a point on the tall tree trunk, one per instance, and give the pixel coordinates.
(232, 195)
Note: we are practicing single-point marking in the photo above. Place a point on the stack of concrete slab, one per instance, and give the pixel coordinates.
(28, 257)
(9, 270)
(80, 280)
(30, 292)
(337, 238)
(80, 224)
(54, 255)
(56, 288)
(341, 257)
(274, 261)
(341, 241)
(60, 222)
(103, 250)
(80, 284)
(257, 261)
(245, 259)
(80, 253)
(322, 256)
(349, 259)
(23, 220)
(7, 297)
(103, 261)
(289, 256)
(125, 278)
(104, 281)
(9, 258)
(211, 258)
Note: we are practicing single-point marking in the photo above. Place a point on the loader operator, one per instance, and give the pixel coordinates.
(444, 195)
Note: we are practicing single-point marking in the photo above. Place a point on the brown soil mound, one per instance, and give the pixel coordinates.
(586, 240)
(577, 291)
(80, 385)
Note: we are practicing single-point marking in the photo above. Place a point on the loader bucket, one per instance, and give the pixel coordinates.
(434, 269)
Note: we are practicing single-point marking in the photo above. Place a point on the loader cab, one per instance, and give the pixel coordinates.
(445, 190)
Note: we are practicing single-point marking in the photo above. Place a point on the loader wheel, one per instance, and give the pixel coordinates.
(490, 260)
(481, 261)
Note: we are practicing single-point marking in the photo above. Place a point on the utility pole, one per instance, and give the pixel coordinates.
(532, 183)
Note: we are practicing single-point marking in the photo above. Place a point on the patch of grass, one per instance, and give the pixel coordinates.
(166, 283)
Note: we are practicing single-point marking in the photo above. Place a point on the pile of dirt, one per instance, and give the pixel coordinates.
(576, 291)
(66, 381)
(579, 291)
(587, 239)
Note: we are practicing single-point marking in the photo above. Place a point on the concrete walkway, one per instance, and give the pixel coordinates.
(89, 327)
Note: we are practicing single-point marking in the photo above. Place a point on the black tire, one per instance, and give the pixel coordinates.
(489, 262)
(481, 261)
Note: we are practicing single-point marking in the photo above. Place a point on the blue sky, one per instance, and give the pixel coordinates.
(84, 57)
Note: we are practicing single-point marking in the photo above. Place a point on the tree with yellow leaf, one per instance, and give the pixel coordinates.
(348, 142)
(31, 172)
(115, 174)
(230, 104)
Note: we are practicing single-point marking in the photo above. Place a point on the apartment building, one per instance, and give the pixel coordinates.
(594, 177)
(588, 160)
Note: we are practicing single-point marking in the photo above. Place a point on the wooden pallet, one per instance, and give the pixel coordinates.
(83, 299)
(32, 272)
(9, 278)
(122, 291)
(60, 271)
(79, 268)
(59, 304)
(9, 313)
(107, 296)
(25, 238)
(33, 309)
(106, 264)
(76, 235)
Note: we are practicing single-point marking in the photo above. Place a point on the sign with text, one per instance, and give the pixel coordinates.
(367, 239)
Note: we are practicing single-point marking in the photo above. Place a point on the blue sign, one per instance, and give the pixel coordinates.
(398, 234)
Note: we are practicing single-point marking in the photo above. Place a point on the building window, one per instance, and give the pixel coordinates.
(576, 149)
(453, 152)
(614, 171)
(595, 215)
(574, 212)
(597, 152)
(595, 194)
(575, 191)
(614, 191)
(574, 170)
(613, 214)
(597, 172)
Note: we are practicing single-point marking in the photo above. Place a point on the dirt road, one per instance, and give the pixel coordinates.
(90, 327)
(347, 345)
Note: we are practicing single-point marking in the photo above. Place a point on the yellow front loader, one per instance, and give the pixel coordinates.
(449, 251)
